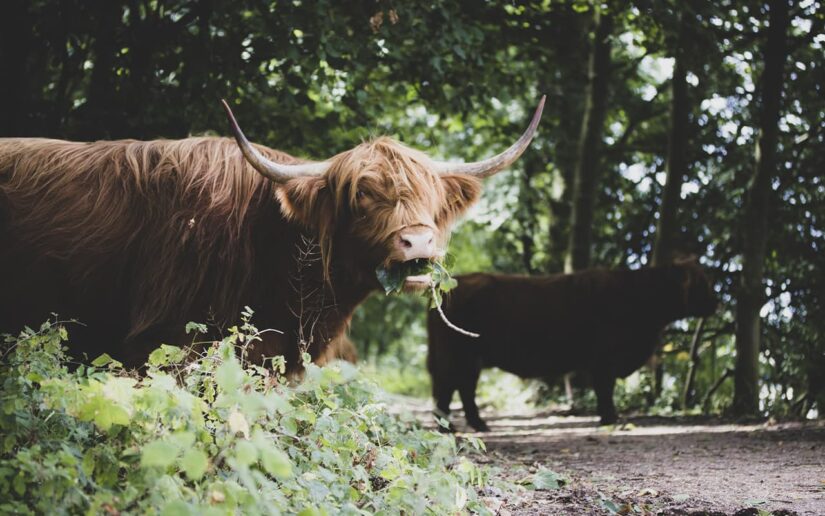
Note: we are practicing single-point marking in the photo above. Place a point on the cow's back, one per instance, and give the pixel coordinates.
(540, 326)
(129, 237)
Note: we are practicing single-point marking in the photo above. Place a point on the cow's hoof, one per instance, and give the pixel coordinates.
(479, 425)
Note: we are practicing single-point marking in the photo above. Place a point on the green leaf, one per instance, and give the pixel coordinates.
(112, 415)
(609, 505)
(194, 463)
(229, 375)
(176, 508)
(104, 360)
(195, 327)
(545, 479)
(88, 463)
(275, 462)
(245, 452)
(159, 454)
(166, 355)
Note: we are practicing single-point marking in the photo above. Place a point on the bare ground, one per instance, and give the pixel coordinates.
(657, 465)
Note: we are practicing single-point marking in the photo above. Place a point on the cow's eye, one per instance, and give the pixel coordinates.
(359, 194)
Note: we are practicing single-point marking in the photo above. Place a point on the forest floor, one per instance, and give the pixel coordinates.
(654, 465)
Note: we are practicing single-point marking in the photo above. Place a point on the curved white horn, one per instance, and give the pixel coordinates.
(277, 172)
(490, 166)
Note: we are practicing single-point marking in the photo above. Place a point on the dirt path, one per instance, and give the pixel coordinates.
(656, 465)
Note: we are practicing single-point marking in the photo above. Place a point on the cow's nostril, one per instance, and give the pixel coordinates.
(406, 243)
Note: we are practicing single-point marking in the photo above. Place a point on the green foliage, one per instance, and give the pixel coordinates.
(211, 435)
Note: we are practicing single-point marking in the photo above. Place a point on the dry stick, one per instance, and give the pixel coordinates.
(444, 317)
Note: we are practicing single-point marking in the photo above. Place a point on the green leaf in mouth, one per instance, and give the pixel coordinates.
(392, 278)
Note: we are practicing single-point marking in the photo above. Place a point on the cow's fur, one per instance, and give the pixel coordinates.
(604, 322)
(341, 348)
(135, 238)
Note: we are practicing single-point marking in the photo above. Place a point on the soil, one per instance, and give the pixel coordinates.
(656, 465)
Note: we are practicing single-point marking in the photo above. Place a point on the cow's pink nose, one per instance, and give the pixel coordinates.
(416, 244)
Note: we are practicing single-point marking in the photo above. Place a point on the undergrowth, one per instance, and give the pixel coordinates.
(210, 434)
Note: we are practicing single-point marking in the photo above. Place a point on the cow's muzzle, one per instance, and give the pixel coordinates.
(416, 242)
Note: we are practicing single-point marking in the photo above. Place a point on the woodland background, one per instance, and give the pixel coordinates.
(671, 127)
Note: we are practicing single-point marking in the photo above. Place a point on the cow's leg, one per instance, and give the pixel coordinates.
(467, 391)
(443, 391)
(603, 384)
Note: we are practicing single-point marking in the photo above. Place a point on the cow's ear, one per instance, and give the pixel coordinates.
(306, 200)
(462, 191)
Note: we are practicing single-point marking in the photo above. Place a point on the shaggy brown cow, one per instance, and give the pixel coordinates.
(604, 322)
(341, 348)
(134, 238)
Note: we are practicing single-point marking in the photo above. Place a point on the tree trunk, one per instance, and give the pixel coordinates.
(590, 140)
(677, 165)
(570, 50)
(755, 220)
(676, 169)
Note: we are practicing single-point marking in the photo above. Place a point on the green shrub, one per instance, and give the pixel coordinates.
(209, 435)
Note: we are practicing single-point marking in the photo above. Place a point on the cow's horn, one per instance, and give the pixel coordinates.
(490, 166)
(277, 172)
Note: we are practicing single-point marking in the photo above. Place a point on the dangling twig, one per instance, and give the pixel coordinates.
(447, 322)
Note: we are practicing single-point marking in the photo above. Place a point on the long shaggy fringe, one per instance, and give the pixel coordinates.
(398, 189)
(174, 215)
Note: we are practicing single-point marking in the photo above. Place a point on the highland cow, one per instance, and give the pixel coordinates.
(136, 238)
(341, 348)
(607, 323)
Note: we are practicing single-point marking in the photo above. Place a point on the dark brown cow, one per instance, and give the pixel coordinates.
(135, 238)
(604, 322)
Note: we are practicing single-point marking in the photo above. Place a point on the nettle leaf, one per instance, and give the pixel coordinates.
(275, 462)
(106, 360)
(229, 375)
(245, 453)
(160, 454)
(271, 447)
(112, 415)
(390, 279)
(194, 463)
(196, 328)
(166, 355)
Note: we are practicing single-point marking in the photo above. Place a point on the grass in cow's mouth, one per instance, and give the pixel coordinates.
(392, 278)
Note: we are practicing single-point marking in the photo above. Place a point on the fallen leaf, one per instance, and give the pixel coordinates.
(648, 492)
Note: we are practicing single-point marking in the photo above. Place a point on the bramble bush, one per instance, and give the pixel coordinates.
(210, 434)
